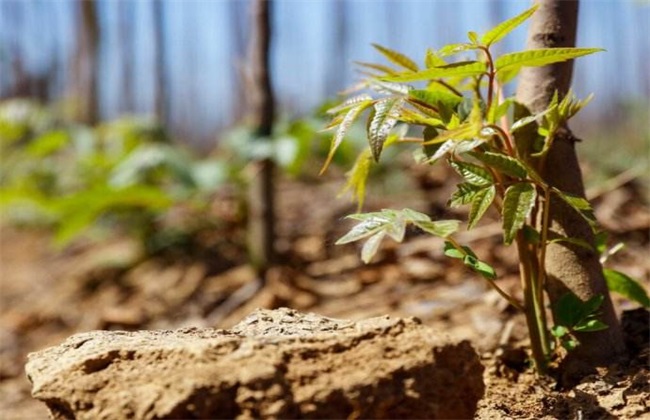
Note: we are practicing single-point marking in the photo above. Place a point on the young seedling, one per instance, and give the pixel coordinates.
(496, 146)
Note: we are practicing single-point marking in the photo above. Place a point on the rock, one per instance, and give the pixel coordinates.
(273, 364)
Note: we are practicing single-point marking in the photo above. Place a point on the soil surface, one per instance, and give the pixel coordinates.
(48, 294)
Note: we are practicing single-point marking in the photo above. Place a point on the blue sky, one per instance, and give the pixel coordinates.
(204, 41)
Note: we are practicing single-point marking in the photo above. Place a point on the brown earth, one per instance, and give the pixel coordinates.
(48, 295)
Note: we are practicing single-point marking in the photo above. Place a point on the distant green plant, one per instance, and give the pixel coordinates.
(494, 144)
(124, 174)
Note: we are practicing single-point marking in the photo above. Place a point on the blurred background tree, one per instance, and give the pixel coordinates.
(182, 60)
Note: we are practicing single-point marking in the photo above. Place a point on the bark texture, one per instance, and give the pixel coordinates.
(261, 199)
(568, 267)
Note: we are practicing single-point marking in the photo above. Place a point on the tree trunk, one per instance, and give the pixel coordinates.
(86, 67)
(568, 267)
(160, 98)
(261, 200)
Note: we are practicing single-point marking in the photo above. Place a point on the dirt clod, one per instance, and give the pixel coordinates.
(273, 364)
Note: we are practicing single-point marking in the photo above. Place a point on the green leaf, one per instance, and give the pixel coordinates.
(349, 103)
(452, 252)
(348, 120)
(517, 204)
(570, 343)
(590, 307)
(626, 286)
(473, 174)
(559, 331)
(529, 119)
(397, 58)
(503, 163)
(384, 119)
(481, 267)
(567, 309)
(412, 215)
(371, 246)
(464, 194)
(573, 241)
(579, 204)
(456, 48)
(473, 37)
(531, 235)
(541, 57)
(378, 67)
(480, 203)
(497, 33)
(440, 228)
(501, 110)
(413, 118)
(461, 69)
(464, 131)
(357, 177)
(48, 143)
(436, 98)
(433, 60)
(367, 227)
(590, 325)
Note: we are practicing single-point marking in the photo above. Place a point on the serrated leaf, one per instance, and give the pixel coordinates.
(518, 202)
(410, 117)
(440, 228)
(349, 119)
(384, 119)
(541, 57)
(463, 132)
(397, 58)
(379, 67)
(455, 49)
(480, 203)
(626, 286)
(435, 151)
(531, 118)
(463, 195)
(412, 215)
(436, 97)
(497, 33)
(349, 103)
(472, 174)
(357, 177)
(371, 246)
(461, 69)
(389, 88)
(579, 204)
(503, 163)
(364, 229)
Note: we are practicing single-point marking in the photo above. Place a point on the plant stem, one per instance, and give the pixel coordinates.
(499, 290)
(505, 137)
(546, 210)
(491, 74)
(534, 310)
